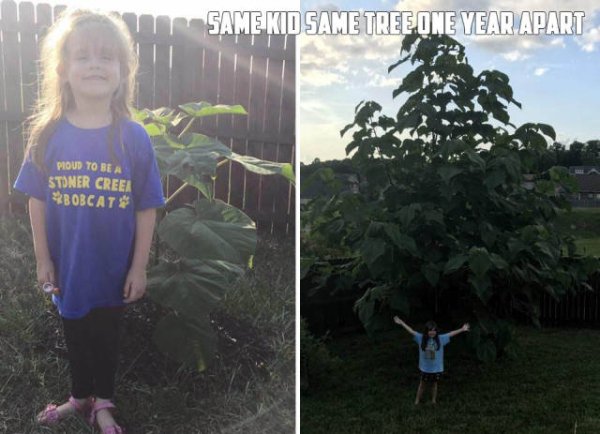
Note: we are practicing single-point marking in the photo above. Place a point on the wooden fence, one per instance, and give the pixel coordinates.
(179, 63)
(335, 314)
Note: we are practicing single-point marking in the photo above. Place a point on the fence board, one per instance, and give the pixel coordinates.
(28, 57)
(240, 123)
(256, 106)
(178, 62)
(146, 68)
(4, 176)
(224, 122)
(162, 64)
(272, 116)
(285, 200)
(12, 76)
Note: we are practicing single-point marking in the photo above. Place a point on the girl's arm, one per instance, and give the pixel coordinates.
(44, 265)
(464, 328)
(406, 326)
(135, 284)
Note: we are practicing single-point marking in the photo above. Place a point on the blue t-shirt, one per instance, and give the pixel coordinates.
(91, 204)
(431, 360)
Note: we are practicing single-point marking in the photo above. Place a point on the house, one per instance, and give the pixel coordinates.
(584, 170)
(588, 180)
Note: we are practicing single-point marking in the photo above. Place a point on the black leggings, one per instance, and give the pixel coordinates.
(92, 343)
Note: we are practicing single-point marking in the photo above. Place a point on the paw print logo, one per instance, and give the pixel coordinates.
(123, 201)
(57, 197)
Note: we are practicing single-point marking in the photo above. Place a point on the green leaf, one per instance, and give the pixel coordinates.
(193, 343)
(154, 130)
(475, 158)
(494, 178)
(399, 62)
(402, 241)
(264, 167)
(448, 172)
(407, 213)
(479, 261)
(305, 266)
(203, 108)
(372, 320)
(498, 261)
(372, 249)
(210, 230)
(454, 263)
(192, 158)
(431, 273)
(164, 116)
(547, 130)
(192, 287)
(481, 285)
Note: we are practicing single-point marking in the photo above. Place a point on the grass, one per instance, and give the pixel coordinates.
(584, 225)
(248, 389)
(551, 388)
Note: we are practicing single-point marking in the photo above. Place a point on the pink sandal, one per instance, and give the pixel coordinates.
(114, 429)
(50, 415)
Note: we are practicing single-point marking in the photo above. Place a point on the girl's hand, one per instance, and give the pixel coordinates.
(466, 327)
(45, 272)
(398, 320)
(135, 285)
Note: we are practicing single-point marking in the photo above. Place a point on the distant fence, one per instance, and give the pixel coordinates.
(585, 203)
(335, 314)
(179, 63)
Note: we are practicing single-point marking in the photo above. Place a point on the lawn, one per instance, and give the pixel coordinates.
(552, 387)
(584, 225)
(250, 388)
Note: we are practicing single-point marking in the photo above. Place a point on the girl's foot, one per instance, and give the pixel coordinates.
(104, 417)
(53, 414)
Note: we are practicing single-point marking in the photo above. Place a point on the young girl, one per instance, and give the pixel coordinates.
(431, 354)
(94, 187)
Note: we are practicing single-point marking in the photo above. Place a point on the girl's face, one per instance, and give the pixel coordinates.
(92, 66)
(432, 333)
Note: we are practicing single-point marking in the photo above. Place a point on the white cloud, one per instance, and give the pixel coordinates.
(589, 40)
(379, 80)
(514, 56)
(540, 71)
(318, 78)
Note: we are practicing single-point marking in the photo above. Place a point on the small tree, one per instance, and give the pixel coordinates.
(212, 241)
(445, 223)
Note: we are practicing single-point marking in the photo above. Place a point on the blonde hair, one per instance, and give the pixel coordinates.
(55, 96)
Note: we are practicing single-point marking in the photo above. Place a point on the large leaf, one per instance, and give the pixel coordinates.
(191, 287)
(193, 343)
(203, 108)
(164, 116)
(402, 241)
(192, 159)
(210, 230)
(454, 263)
(264, 167)
(447, 172)
(372, 249)
(479, 261)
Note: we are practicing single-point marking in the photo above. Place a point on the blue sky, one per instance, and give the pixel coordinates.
(556, 78)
